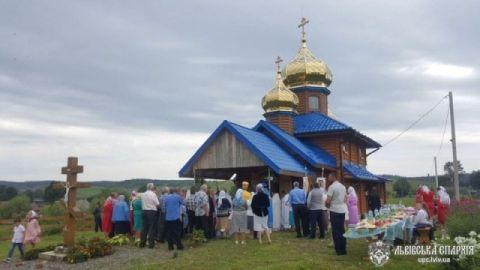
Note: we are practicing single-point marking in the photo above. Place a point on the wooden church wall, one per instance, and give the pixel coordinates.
(227, 152)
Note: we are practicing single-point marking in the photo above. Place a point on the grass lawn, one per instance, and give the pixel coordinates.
(286, 252)
(407, 201)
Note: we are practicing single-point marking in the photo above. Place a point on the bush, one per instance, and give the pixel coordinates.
(401, 187)
(463, 217)
(198, 236)
(16, 207)
(119, 240)
(463, 262)
(84, 250)
(54, 209)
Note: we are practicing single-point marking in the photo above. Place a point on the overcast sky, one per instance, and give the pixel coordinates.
(134, 88)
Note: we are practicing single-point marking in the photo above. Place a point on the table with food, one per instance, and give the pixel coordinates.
(391, 222)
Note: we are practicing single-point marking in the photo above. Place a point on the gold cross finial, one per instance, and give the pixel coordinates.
(278, 61)
(302, 24)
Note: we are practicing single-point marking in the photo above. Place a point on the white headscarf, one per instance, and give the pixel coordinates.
(443, 195)
(222, 195)
(259, 188)
(321, 182)
(425, 189)
(351, 191)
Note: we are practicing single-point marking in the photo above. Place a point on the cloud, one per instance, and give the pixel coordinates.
(437, 70)
(134, 89)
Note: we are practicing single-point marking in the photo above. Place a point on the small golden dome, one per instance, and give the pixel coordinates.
(305, 69)
(279, 98)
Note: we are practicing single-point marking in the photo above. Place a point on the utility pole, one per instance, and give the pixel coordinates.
(456, 183)
(436, 172)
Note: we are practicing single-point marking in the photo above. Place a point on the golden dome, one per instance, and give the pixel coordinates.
(279, 98)
(305, 69)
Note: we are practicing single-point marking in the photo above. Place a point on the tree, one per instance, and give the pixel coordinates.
(15, 208)
(448, 168)
(475, 179)
(7, 193)
(53, 194)
(402, 187)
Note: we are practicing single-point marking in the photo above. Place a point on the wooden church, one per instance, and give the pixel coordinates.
(297, 139)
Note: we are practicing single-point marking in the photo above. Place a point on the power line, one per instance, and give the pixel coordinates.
(415, 122)
(443, 137)
(444, 131)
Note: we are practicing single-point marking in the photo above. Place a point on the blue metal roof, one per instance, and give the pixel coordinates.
(272, 154)
(359, 172)
(313, 154)
(318, 123)
(315, 122)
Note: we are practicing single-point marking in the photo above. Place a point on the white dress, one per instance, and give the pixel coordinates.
(276, 212)
(285, 213)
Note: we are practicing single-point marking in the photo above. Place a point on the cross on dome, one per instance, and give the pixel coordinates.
(278, 61)
(302, 24)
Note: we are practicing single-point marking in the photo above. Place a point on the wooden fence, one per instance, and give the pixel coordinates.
(49, 225)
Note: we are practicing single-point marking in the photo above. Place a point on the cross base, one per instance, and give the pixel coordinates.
(56, 255)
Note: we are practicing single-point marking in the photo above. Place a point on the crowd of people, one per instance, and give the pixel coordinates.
(166, 215)
(156, 216)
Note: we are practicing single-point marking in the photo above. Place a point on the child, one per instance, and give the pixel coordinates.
(17, 240)
(32, 234)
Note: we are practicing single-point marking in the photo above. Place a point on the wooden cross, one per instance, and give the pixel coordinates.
(70, 200)
(302, 24)
(278, 61)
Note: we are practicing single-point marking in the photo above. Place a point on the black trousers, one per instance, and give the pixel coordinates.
(98, 223)
(338, 229)
(201, 223)
(191, 221)
(316, 219)
(161, 227)
(173, 229)
(300, 215)
(149, 222)
(211, 226)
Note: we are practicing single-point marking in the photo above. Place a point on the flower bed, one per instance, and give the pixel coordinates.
(84, 250)
(463, 217)
(464, 262)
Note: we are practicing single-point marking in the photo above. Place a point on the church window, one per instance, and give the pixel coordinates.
(313, 103)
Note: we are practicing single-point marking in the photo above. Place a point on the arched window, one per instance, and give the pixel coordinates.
(313, 103)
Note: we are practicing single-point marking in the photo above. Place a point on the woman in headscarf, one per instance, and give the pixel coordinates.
(443, 202)
(239, 217)
(120, 217)
(107, 215)
(224, 207)
(33, 232)
(137, 215)
(352, 202)
(428, 197)
(260, 204)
